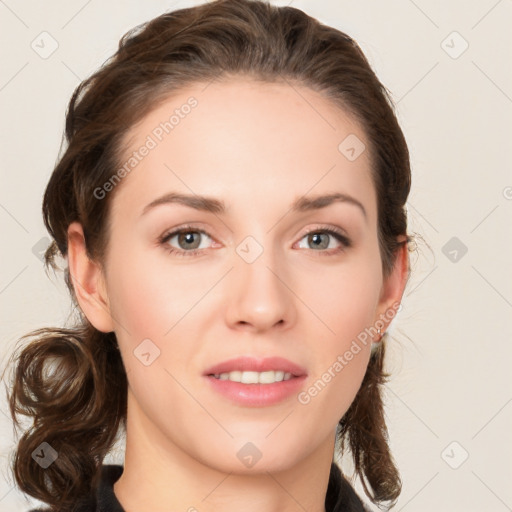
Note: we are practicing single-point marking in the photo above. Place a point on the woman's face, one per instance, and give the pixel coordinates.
(244, 280)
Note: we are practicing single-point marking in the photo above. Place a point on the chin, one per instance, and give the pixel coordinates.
(254, 457)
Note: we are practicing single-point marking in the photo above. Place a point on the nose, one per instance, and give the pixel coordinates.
(259, 295)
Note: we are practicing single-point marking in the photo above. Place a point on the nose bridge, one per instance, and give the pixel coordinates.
(258, 294)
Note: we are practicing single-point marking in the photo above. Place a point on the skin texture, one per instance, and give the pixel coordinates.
(257, 147)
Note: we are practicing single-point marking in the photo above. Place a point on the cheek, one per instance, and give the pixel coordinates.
(152, 299)
(346, 310)
(148, 298)
(343, 298)
(152, 304)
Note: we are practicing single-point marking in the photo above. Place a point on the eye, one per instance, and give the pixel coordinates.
(188, 241)
(326, 238)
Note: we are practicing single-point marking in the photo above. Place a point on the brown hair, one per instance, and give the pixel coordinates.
(80, 405)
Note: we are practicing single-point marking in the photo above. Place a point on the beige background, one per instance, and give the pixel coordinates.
(451, 393)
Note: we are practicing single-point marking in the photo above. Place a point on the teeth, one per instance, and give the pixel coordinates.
(280, 376)
(250, 378)
(268, 377)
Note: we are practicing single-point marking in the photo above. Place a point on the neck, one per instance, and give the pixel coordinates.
(158, 475)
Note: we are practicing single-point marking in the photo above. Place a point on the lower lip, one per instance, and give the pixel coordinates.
(257, 395)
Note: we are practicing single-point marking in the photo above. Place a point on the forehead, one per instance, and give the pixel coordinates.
(246, 139)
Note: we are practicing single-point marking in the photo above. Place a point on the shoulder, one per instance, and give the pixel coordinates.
(341, 496)
(106, 499)
(101, 499)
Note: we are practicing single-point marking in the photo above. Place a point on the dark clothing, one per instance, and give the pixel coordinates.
(340, 496)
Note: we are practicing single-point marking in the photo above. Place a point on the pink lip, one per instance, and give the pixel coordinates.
(256, 395)
(252, 364)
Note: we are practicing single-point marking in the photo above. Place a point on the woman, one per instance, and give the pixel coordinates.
(238, 367)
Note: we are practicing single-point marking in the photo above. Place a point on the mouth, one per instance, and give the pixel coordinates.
(253, 382)
(267, 377)
(253, 370)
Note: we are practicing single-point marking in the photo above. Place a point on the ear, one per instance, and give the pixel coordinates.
(393, 287)
(88, 281)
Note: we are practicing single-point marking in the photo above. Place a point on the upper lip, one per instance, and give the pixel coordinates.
(254, 364)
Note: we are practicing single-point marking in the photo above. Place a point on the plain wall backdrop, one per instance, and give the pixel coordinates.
(447, 65)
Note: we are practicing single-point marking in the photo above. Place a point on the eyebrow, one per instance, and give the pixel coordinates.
(216, 206)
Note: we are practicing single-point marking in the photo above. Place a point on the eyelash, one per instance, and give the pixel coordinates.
(338, 235)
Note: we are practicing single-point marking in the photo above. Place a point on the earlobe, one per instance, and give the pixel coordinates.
(88, 281)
